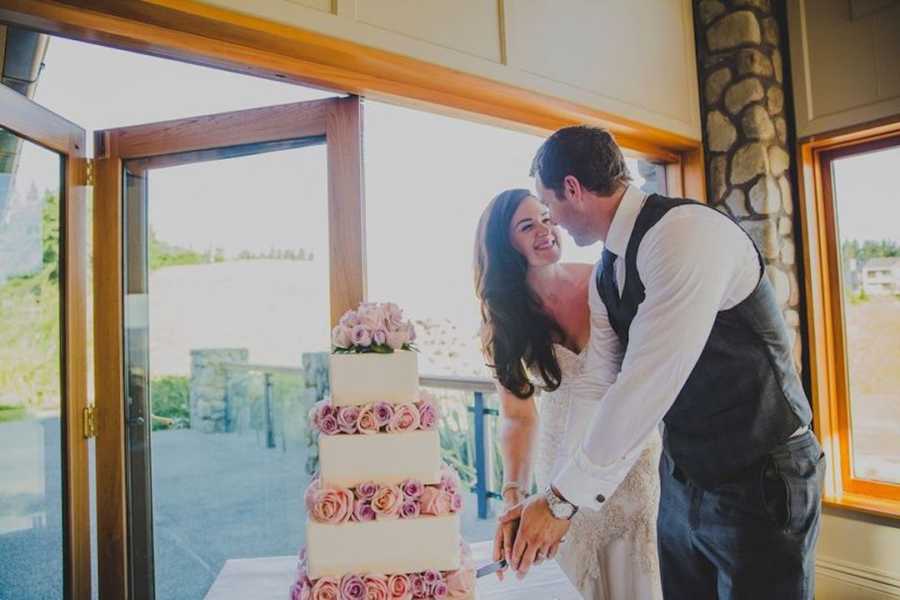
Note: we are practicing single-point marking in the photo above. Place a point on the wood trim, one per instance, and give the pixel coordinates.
(75, 317)
(346, 206)
(825, 317)
(198, 33)
(109, 382)
(252, 126)
(28, 120)
(686, 178)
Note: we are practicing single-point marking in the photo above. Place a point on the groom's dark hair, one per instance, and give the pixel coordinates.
(589, 153)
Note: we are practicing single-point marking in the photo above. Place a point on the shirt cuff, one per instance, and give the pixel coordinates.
(587, 485)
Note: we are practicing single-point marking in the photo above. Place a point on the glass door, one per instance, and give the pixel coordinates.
(44, 503)
(234, 241)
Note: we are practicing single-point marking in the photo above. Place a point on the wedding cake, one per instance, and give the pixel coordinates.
(383, 513)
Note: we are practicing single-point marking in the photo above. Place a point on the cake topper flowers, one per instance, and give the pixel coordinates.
(373, 327)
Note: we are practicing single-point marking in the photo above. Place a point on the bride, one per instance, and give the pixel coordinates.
(536, 324)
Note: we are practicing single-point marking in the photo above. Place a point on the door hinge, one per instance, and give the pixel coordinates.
(89, 423)
(89, 171)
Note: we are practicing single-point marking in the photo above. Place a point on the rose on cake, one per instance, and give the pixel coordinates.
(434, 502)
(373, 327)
(329, 505)
(405, 418)
(387, 502)
(399, 587)
(376, 588)
(326, 588)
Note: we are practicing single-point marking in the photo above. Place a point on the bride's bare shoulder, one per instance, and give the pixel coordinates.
(579, 269)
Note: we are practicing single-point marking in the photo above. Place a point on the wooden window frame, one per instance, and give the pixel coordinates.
(825, 315)
(36, 124)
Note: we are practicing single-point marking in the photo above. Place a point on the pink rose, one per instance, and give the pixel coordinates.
(326, 588)
(363, 511)
(320, 409)
(367, 422)
(393, 315)
(387, 502)
(397, 339)
(399, 587)
(383, 413)
(371, 315)
(449, 479)
(439, 590)
(376, 588)
(330, 505)
(346, 418)
(353, 588)
(456, 502)
(367, 490)
(419, 587)
(434, 502)
(427, 415)
(432, 577)
(328, 425)
(349, 320)
(340, 337)
(412, 489)
(409, 510)
(379, 336)
(406, 418)
(460, 583)
(361, 336)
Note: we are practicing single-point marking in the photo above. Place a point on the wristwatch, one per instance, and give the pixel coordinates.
(560, 507)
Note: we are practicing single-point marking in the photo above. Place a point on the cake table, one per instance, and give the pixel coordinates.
(270, 578)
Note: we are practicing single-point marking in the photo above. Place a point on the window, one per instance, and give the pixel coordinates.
(853, 222)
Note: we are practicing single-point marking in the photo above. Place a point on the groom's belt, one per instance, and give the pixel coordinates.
(679, 475)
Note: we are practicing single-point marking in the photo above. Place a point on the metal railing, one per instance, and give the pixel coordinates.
(483, 443)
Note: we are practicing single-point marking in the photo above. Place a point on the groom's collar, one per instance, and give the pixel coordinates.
(623, 220)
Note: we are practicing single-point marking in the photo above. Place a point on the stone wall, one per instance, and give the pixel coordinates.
(210, 388)
(745, 134)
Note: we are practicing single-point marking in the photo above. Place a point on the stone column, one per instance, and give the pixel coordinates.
(748, 167)
(210, 387)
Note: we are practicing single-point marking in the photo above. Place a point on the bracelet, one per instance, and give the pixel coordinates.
(510, 485)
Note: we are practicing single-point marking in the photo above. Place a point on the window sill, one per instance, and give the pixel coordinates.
(879, 507)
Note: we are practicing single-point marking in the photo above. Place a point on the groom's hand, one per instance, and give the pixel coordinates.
(539, 533)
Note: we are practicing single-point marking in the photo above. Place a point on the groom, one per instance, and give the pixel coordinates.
(706, 352)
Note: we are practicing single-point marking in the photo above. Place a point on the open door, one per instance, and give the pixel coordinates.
(154, 501)
(44, 494)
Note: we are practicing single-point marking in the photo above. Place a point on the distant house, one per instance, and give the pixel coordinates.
(881, 276)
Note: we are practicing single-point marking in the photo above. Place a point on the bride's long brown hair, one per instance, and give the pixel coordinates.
(516, 334)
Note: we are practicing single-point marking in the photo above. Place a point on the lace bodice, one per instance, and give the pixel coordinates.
(632, 509)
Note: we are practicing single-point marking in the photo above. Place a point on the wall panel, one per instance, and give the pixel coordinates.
(846, 62)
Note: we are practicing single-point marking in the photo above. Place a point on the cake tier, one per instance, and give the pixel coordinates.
(394, 546)
(385, 458)
(369, 378)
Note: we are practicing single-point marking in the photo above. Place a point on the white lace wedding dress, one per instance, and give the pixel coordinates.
(608, 554)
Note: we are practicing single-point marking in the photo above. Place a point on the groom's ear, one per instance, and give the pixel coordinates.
(572, 191)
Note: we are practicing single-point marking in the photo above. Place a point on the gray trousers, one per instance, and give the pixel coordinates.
(751, 538)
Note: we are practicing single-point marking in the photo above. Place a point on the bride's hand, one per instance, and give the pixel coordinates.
(504, 538)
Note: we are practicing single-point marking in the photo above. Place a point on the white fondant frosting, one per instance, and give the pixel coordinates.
(368, 378)
(384, 547)
(384, 458)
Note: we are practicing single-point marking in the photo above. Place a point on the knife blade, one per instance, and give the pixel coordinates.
(490, 568)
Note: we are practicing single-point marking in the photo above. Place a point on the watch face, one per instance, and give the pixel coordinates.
(561, 510)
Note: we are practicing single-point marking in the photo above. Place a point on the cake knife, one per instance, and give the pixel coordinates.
(490, 568)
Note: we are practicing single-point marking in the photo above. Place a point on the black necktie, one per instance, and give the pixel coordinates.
(608, 260)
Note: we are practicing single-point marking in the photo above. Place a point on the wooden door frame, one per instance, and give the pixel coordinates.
(35, 123)
(339, 122)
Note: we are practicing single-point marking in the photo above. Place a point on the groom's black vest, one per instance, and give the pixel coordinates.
(744, 396)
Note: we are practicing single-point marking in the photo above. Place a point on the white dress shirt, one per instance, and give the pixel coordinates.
(693, 263)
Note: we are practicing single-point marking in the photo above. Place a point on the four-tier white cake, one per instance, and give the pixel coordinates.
(383, 512)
